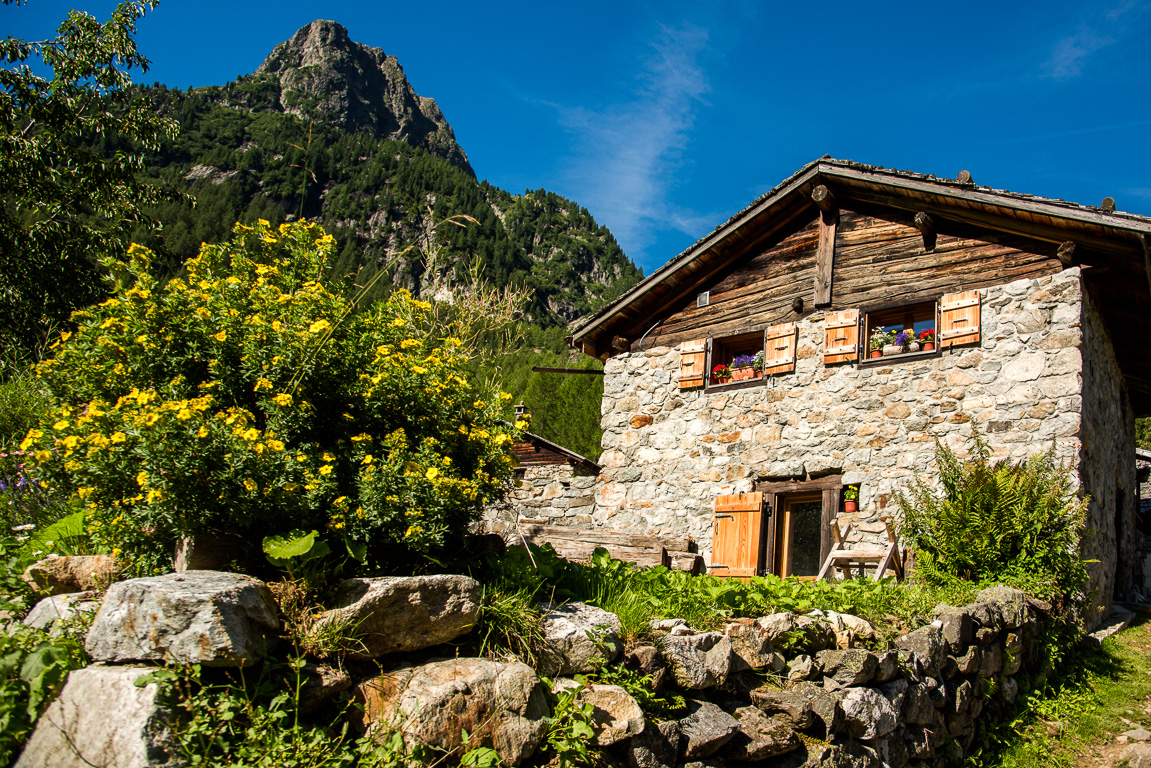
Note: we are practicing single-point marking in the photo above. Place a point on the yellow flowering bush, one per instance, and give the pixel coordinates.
(246, 397)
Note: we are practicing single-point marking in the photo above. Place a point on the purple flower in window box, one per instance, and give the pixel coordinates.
(903, 339)
(743, 361)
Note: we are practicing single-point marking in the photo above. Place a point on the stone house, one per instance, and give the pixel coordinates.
(551, 485)
(1041, 308)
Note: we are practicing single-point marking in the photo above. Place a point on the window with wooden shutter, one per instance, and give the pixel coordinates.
(737, 536)
(779, 349)
(959, 319)
(692, 363)
(841, 336)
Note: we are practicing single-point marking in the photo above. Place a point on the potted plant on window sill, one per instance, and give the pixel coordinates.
(902, 344)
(720, 374)
(876, 343)
(850, 498)
(927, 339)
(741, 368)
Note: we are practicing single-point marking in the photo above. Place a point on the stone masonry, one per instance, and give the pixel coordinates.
(562, 494)
(1043, 375)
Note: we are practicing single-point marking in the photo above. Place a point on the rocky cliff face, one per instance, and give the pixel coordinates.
(323, 74)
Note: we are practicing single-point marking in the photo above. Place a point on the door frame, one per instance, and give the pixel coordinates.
(830, 487)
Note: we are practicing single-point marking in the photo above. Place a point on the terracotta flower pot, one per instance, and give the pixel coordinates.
(876, 353)
(747, 372)
(850, 506)
(929, 346)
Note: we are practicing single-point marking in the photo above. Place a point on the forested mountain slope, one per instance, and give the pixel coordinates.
(330, 130)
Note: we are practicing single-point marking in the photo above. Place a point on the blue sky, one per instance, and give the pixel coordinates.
(665, 118)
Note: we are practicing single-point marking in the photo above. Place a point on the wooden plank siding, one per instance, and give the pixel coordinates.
(878, 260)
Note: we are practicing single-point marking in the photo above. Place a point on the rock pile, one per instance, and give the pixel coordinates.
(840, 695)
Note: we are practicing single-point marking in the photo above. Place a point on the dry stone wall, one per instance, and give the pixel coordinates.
(669, 452)
(559, 493)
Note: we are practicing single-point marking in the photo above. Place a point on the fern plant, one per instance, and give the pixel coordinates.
(1016, 522)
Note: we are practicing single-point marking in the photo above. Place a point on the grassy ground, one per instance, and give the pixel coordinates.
(1103, 692)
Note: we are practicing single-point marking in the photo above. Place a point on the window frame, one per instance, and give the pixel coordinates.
(866, 314)
(746, 340)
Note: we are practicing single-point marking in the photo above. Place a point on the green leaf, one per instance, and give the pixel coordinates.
(156, 676)
(294, 544)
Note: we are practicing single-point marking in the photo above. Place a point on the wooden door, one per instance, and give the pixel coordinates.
(736, 550)
(800, 533)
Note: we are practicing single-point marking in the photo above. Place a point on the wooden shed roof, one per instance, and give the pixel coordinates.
(1113, 247)
(572, 457)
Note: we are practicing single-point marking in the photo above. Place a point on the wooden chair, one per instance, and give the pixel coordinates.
(845, 560)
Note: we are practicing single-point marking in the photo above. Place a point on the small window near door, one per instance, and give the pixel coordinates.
(799, 536)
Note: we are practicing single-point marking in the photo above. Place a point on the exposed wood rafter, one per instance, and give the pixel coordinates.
(825, 256)
(926, 226)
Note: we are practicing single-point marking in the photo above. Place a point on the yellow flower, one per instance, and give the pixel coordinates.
(432, 473)
(250, 484)
(326, 469)
(221, 336)
(521, 425)
(151, 419)
(398, 323)
(60, 425)
(301, 457)
(118, 437)
(361, 437)
(203, 432)
(262, 384)
(319, 326)
(154, 496)
(328, 457)
(275, 445)
(250, 434)
(409, 344)
(184, 414)
(259, 449)
(367, 459)
(283, 400)
(142, 479)
(71, 441)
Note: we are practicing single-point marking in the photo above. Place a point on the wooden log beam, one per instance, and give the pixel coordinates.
(926, 226)
(1066, 253)
(824, 260)
(964, 177)
(1108, 204)
(584, 371)
(825, 199)
(620, 344)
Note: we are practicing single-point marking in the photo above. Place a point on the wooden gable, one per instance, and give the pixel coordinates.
(838, 235)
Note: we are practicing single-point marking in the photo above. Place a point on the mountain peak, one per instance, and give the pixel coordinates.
(324, 74)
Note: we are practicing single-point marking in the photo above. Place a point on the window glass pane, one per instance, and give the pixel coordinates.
(806, 533)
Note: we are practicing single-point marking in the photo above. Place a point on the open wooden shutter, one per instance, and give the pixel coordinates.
(841, 336)
(693, 359)
(959, 319)
(779, 349)
(736, 535)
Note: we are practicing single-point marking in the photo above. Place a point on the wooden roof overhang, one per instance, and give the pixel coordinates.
(1113, 248)
(573, 458)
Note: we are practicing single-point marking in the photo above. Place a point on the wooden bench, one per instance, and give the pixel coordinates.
(847, 561)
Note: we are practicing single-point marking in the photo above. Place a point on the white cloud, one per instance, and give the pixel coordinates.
(1072, 52)
(628, 152)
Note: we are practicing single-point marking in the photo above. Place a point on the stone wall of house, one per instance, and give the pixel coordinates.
(668, 453)
(1107, 466)
(559, 493)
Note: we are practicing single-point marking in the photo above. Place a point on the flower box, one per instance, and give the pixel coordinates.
(746, 372)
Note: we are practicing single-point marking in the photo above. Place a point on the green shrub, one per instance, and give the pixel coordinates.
(33, 665)
(1019, 523)
(23, 404)
(246, 398)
